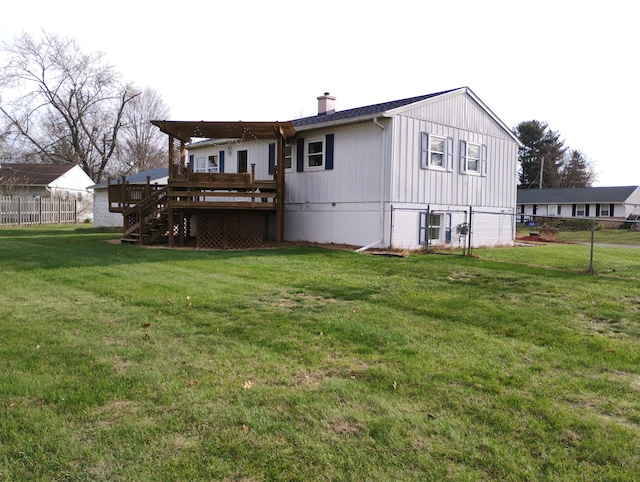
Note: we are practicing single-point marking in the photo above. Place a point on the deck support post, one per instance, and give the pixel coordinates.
(280, 189)
(171, 240)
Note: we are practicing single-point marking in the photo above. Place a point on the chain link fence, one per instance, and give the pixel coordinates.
(591, 245)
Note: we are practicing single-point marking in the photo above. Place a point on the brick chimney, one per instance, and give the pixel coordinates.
(326, 104)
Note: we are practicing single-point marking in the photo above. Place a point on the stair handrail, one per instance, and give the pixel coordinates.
(149, 209)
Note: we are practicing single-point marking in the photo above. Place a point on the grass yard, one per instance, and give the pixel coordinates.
(132, 364)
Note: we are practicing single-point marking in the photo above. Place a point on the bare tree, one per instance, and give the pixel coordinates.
(69, 105)
(141, 145)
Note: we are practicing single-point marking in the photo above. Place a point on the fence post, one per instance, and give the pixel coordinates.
(391, 230)
(593, 230)
(470, 230)
(19, 211)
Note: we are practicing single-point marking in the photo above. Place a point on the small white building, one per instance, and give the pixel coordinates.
(102, 217)
(395, 174)
(617, 202)
(58, 181)
(44, 180)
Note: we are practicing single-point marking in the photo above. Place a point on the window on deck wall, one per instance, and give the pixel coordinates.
(288, 157)
(206, 164)
(242, 161)
(315, 153)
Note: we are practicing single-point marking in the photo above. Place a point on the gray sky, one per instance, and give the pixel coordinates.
(572, 64)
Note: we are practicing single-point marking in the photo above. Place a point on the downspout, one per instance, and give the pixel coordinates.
(384, 143)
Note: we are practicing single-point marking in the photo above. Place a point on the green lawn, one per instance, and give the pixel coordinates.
(126, 363)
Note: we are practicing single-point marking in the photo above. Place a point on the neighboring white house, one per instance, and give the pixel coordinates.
(44, 180)
(102, 217)
(368, 176)
(619, 202)
(63, 181)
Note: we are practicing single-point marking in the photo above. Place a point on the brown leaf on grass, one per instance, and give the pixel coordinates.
(146, 325)
(248, 384)
(245, 429)
(159, 312)
(12, 405)
(191, 383)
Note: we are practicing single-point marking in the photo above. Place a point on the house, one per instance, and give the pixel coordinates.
(620, 202)
(61, 181)
(396, 174)
(44, 180)
(102, 216)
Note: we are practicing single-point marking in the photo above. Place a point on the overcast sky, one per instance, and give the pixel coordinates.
(572, 64)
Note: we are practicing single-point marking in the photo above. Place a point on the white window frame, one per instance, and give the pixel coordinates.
(580, 213)
(308, 154)
(288, 158)
(435, 225)
(478, 159)
(206, 163)
(605, 210)
(442, 153)
(427, 151)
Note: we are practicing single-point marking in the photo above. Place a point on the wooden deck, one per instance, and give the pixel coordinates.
(227, 209)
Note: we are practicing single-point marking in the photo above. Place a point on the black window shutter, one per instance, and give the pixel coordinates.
(424, 149)
(586, 210)
(611, 210)
(300, 155)
(221, 161)
(328, 161)
(597, 210)
(272, 157)
(573, 210)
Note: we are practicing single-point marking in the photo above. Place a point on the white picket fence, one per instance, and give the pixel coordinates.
(25, 211)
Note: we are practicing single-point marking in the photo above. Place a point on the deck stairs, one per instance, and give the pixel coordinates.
(147, 221)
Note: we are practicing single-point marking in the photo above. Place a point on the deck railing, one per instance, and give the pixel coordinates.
(221, 191)
(123, 195)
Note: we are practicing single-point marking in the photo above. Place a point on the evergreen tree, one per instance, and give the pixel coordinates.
(542, 151)
(577, 170)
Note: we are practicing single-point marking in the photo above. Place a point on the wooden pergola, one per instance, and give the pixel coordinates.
(183, 132)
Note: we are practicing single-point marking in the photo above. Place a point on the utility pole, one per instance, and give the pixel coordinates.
(541, 171)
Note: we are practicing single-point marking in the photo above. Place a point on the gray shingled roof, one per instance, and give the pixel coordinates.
(575, 195)
(139, 178)
(32, 174)
(368, 110)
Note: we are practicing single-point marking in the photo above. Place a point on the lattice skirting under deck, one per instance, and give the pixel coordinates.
(231, 230)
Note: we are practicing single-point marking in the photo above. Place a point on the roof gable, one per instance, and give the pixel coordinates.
(32, 174)
(388, 109)
(615, 194)
(366, 111)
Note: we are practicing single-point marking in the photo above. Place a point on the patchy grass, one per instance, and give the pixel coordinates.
(126, 363)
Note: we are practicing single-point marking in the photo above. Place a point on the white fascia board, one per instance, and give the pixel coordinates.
(340, 122)
(208, 143)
